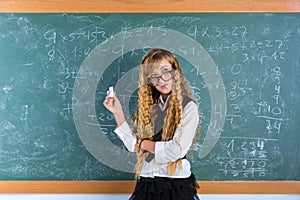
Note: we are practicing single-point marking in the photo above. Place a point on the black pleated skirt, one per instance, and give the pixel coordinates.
(161, 188)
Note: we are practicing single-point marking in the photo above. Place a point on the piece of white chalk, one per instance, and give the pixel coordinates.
(111, 91)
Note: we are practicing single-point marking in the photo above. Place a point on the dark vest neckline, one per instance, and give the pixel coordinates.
(160, 118)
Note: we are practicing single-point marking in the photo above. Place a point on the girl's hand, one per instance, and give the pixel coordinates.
(112, 103)
(147, 145)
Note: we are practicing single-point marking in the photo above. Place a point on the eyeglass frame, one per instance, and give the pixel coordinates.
(160, 77)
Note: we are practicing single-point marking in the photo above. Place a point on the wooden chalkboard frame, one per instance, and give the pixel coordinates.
(152, 6)
(148, 6)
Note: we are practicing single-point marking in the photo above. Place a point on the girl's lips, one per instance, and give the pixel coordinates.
(163, 86)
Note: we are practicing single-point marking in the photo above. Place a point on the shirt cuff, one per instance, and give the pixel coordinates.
(125, 134)
(123, 129)
(159, 150)
(163, 154)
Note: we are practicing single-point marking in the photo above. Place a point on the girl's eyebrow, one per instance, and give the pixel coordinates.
(164, 66)
(161, 68)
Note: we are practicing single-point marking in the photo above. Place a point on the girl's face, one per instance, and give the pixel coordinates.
(162, 78)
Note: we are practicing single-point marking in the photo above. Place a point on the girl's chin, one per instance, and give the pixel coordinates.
(165, 91)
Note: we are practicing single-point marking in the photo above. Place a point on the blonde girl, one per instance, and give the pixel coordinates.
(162, 130)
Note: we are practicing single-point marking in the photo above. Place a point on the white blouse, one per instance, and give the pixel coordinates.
(167, 151)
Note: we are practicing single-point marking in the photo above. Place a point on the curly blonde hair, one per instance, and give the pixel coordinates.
(148, 96)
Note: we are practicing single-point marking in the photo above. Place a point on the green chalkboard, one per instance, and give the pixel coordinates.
(55, 70)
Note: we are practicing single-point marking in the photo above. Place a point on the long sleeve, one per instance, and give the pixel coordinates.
(125, 134)
(170, 151)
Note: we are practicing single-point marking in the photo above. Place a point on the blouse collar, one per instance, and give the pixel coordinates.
(163, 104)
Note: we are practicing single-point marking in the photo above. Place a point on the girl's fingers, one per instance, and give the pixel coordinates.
(108, 101)
(111, 103)
(139, 153)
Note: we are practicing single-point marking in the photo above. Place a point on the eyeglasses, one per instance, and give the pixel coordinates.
(166, 76)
